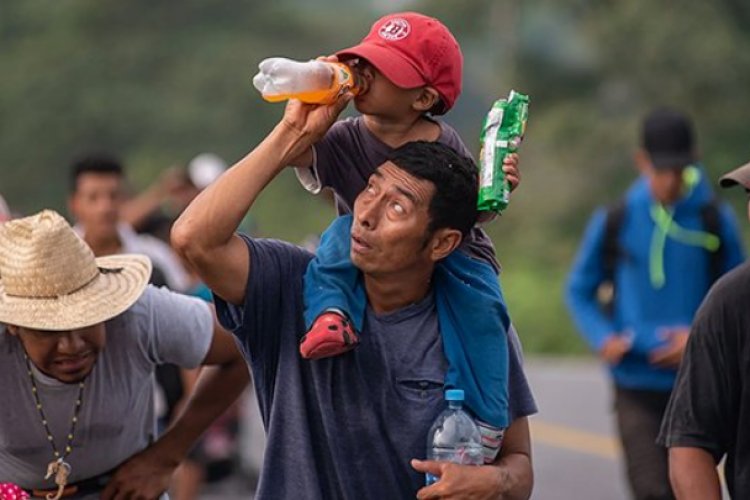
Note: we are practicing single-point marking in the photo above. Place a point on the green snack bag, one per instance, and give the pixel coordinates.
(502, 133)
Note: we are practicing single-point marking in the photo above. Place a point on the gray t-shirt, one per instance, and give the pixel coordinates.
(116, 418)
(349, 153)
(342, 427)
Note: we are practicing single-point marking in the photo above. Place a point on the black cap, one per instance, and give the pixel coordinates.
(668, 139)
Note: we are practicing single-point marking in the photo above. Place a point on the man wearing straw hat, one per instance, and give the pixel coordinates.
(77, 356)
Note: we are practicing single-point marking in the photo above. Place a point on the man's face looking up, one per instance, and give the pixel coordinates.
(391, 220)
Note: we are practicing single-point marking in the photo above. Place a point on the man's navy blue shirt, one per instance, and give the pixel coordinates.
(343, 427)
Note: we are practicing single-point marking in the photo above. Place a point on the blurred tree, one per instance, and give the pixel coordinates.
(157, 82)
(593, 69)
(153, 82)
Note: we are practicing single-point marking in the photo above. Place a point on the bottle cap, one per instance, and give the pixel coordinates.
(454, 395)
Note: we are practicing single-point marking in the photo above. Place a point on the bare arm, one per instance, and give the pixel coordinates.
(137, 210)
(148, 473)
(514, 464)
(670, 355)
(217, 387)
(303, 160)
(511, 477)
(692, 472)
(205, 232)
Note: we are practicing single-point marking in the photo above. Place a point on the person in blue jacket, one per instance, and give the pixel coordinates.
(641, 272)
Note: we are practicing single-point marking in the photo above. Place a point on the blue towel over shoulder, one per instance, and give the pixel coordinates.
(471, 310)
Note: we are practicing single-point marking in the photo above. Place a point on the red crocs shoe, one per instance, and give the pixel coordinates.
(330, 335)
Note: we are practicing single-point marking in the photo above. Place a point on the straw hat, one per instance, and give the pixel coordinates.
(50, 279)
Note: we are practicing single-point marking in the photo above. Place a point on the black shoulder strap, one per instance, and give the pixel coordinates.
(712, 224)
(611, 250)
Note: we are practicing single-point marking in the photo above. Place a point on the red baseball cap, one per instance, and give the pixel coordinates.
(413, 50)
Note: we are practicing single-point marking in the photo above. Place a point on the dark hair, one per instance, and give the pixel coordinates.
(94, 163)
(438, 108)
(454, 204)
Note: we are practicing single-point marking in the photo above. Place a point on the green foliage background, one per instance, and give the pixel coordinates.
(157, 82)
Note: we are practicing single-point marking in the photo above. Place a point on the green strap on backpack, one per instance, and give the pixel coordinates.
(612, 251)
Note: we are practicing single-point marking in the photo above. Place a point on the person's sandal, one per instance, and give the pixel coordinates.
(330, 335)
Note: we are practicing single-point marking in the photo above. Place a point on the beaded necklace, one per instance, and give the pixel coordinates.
(57, 467)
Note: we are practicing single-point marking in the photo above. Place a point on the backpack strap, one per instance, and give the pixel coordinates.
(611, 250)
(712, 224)
(611, 253)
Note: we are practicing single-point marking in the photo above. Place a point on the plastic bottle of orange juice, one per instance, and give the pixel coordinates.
(316, 82)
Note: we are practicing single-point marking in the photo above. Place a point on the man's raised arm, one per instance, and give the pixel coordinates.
(205, 232)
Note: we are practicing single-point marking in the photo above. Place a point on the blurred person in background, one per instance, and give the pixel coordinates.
(97, 195)
(155, 209)
(709, 411)
(643, 267)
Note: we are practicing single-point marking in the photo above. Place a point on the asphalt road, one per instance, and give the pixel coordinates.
(575, 451)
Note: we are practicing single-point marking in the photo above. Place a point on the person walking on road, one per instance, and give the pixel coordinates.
(642, 270)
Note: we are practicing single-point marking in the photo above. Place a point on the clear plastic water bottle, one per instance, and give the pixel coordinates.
(454, 437)
(316, 82)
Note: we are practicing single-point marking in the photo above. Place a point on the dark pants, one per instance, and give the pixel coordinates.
(639, 416)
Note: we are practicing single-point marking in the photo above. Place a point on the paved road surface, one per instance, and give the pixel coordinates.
(576, 454)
